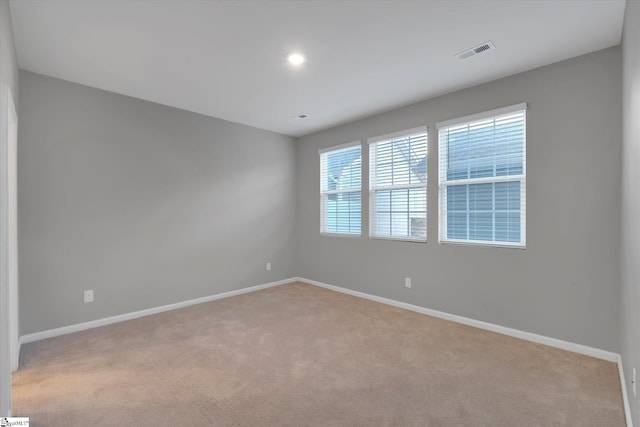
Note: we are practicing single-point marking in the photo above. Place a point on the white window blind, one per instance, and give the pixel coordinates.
(482, 178)
(341, 189)
(398, 185)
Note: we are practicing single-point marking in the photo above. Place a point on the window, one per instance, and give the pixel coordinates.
(341, 190)
(482, 167)
(398, 185)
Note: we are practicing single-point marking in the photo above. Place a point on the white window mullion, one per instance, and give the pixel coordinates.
(468, 197)
(523, 212)
(397, 187)
(486, 180)
(493, 211)
(351, 190)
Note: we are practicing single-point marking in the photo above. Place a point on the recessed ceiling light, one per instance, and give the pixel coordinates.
(296, 59)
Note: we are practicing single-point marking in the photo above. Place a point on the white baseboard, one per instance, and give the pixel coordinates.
(50, 333)
(528, 336)
(552, 342)
(625, 396)
(15, 361)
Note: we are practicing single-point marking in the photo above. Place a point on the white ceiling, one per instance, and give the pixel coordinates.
(227, 59)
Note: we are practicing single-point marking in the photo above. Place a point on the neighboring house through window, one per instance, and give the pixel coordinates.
(398, 185)
(482, 177)
(341, 190)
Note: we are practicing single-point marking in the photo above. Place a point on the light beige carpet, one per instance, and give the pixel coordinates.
(298, 355)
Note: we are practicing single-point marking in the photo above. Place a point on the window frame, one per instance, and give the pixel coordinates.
(444, 183)
(323, 193)
(373, 188)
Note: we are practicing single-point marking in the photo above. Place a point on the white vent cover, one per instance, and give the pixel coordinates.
(476, 50)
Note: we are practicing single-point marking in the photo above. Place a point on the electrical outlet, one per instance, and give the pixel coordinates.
(268, 266)
(88, 296)
(407, 282)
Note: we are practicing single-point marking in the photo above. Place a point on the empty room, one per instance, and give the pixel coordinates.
(319, 213)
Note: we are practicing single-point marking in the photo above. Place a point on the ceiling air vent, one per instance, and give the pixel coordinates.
(476, 50)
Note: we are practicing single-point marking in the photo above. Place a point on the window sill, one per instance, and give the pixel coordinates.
(399, 239)
(483, 244)
(347, 235)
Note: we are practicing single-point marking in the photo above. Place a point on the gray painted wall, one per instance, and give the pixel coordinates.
(630, 224)
(134, 200)
(145, 204)
(8, 81)
(566, 283)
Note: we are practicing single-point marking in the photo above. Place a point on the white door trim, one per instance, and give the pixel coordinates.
(12, 232)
